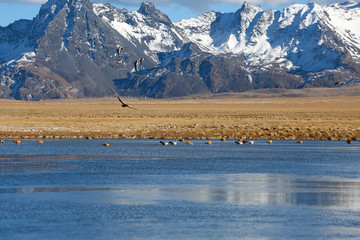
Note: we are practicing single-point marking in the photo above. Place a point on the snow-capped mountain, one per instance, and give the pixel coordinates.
(69, 50)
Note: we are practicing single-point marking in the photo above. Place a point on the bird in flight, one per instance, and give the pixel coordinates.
(119, 49)
(137, 62)
(125, 105)
(339, 82)
(120, 61)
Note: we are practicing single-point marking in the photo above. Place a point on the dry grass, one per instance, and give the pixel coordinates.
(327, 118)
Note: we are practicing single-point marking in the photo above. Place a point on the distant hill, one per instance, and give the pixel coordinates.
(69, 51)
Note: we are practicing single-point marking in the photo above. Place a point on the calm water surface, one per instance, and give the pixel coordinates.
(139, 189)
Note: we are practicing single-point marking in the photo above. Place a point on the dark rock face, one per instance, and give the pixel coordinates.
(69, 51)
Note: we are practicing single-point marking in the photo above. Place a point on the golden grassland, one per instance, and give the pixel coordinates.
(315, 116)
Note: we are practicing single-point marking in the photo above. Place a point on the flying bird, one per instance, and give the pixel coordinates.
(124, 104)
(119, 49)
(120, 61)
(339, 82)
(137, 62)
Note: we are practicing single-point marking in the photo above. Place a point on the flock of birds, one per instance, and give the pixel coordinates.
(140, 62)
(174, 142)
(136, 63)
(136, 67)
(239, 141)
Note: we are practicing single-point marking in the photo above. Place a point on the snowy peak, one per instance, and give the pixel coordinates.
(148, 10)
(348, 4)
(69, 50)
(249, 8)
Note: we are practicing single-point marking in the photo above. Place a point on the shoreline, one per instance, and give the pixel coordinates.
(273, 135)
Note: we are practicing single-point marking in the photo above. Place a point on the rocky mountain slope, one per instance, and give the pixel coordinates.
(69, 50)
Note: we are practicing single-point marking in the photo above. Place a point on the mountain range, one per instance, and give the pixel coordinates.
(69, 50)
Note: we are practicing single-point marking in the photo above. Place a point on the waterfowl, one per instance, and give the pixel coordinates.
(182, 140)
(301, 141)
(136, 65)
(251, 141)
(173, 142)
(165, 143)
(240, 141)
(208, 143)
(120, 61)
(17, 141)
(106, 144)
(40, 142)
(269, 142)
(223, 139)
(2, 142)
(339, 82)
(189, 143)
(349, 141)
(137, 62)
(119, 49)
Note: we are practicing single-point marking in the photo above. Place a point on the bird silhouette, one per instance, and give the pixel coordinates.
(124, 104)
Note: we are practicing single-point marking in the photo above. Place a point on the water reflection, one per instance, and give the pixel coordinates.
(35, 163)
(286, 190)
(258, 189)
(52, 189)
(244, 189)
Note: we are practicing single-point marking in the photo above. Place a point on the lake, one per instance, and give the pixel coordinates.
(140, 189)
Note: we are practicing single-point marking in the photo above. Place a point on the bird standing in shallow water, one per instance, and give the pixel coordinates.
(125, 105)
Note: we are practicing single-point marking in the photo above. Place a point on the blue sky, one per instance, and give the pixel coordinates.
(11, 10)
